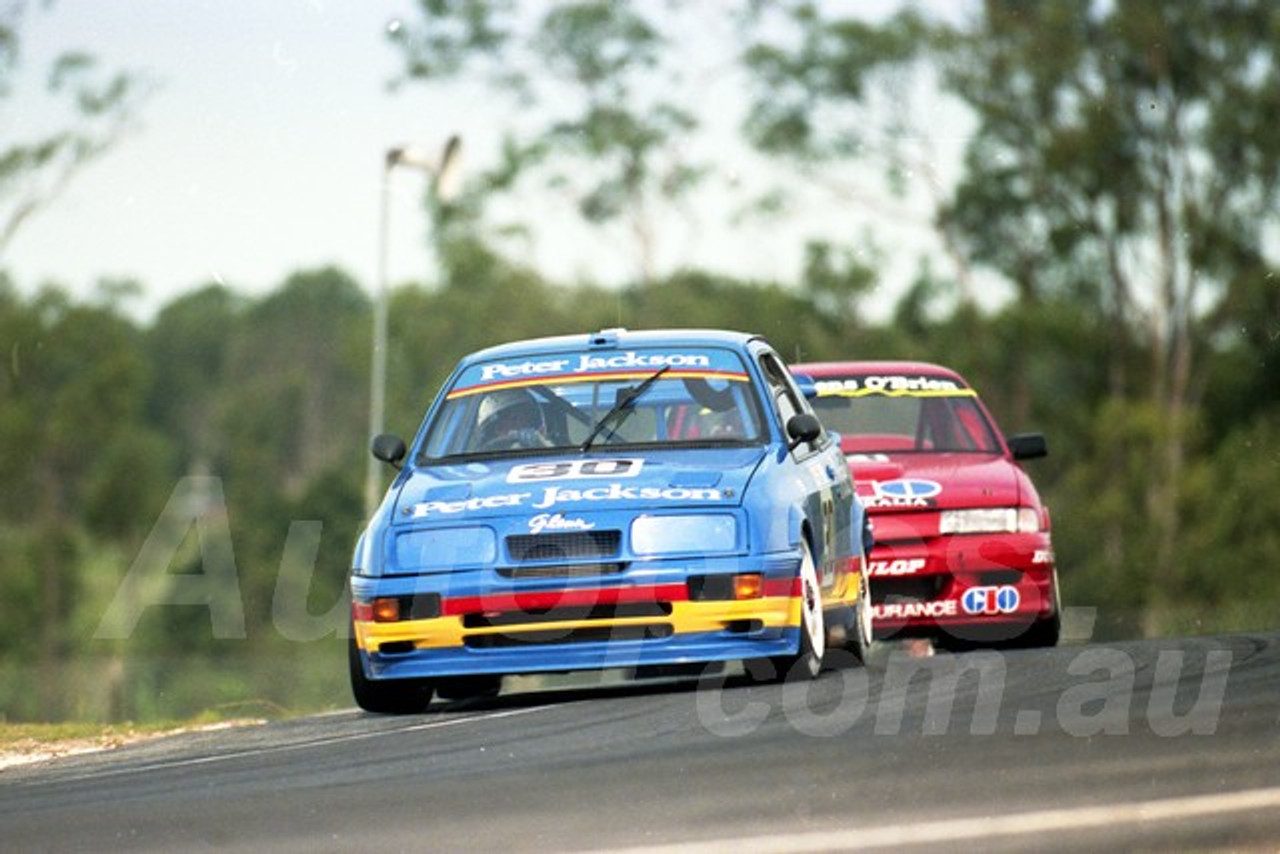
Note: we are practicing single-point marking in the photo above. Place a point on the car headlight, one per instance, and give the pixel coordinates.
(704, 533)
(445, 548)
(990, 520)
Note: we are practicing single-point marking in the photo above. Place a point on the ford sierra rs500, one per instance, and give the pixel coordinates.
(633, 500)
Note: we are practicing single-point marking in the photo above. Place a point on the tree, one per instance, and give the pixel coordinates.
(589, 81)
(1126, 154)
(188, 347)
(82, 472)
(296, 405)
(1230, 499)
(97, 108)
(840, 101)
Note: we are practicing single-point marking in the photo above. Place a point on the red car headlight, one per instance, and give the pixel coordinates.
(990, 520)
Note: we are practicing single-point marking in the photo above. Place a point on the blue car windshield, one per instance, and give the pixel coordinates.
(557, 401)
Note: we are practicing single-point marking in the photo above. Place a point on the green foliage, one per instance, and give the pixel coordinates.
(1230, 509)
(98, 108)
(281, 430)
(451, 34)
(596, 43)
(836, 280)
(1103, 543)
(592, 81)
(1122, 178)
(812, 77)
(1118, 144)
(187, 347)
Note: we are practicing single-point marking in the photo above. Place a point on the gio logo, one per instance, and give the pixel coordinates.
(991, 600)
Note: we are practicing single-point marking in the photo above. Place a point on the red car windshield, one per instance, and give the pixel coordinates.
(893, 415)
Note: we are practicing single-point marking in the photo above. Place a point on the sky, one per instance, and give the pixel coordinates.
(260, 153)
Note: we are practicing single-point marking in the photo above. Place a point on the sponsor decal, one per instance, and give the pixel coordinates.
(991, 600)
(565, 469)
(713, 364)
(491, 502)
(914, 610)
(553, 495)
(523, 369)
(643, 360)
(903, 493)
(557, 522)
(587, 363)
(901, 566)
(893, 385)
(1042, 556)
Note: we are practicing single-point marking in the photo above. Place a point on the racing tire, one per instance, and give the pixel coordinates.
(390, 697)
(1048, 631)
(861, 637)
(1043, 633)
(475, 686)
(807, 662)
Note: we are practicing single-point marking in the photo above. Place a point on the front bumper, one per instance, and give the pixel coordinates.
(988, 586)
(658, 613)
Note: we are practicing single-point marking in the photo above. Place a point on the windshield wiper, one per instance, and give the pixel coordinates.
(624, 406)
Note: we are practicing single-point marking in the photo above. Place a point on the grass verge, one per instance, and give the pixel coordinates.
(24, 743)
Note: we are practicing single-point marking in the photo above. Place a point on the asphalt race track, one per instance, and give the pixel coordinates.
(1142, 746)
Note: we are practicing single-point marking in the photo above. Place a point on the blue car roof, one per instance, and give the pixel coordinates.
(615, 338)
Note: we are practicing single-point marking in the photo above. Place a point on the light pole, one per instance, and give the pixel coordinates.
(444, 172)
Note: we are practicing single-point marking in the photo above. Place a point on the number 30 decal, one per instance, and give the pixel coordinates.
(574, 469)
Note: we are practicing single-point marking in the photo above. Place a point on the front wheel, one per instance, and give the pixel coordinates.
(481, 685)
(807, 662)
(859, 642)
(390, 697)
(1043, 633)
(1048, 631)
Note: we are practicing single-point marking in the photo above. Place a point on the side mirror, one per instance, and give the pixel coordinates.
(804, 427)
(1027, 446)
(389, 448)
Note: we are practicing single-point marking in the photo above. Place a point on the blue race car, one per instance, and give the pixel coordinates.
(634, 500)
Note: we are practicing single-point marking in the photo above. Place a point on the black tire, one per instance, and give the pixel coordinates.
(861, 634)
(807, 662)
(469, 687)
(392, 697)
(1046, 632)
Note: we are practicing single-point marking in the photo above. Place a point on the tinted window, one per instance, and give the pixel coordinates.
(876, 414)
(557, 401)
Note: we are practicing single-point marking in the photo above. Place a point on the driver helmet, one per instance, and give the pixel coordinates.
(508, 411)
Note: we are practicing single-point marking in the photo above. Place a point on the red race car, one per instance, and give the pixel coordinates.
(962, 551)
